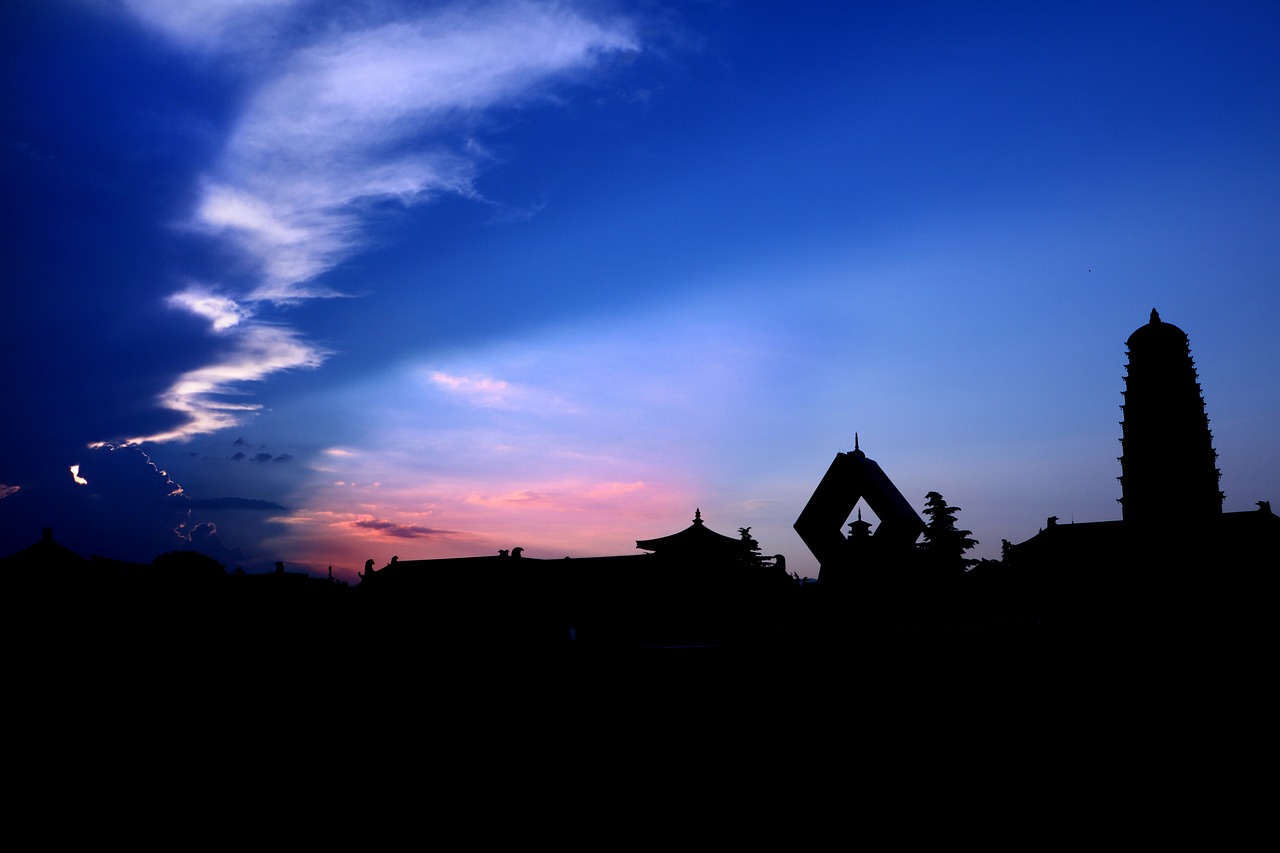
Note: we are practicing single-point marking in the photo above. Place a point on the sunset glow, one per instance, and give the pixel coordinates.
(325, 282)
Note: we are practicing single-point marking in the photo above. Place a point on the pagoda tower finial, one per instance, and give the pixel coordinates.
(1155, 316)
(697, 516)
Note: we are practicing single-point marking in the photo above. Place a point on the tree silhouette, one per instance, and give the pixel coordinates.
(751, 548)
(944, 544)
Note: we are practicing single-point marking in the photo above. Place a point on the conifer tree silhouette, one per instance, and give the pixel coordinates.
(944, 544)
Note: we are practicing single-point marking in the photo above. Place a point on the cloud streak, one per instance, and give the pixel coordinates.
(348, 114)
(480, 389)
(234, 503)
(205, 396)
(398, 531)
(211, 25)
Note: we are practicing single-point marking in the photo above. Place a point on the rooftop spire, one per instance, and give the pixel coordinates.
(697, 516)
(1155, 316)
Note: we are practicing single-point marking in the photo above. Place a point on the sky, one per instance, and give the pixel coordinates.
(322, 282)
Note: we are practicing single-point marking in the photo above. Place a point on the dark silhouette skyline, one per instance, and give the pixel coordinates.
(697, 588)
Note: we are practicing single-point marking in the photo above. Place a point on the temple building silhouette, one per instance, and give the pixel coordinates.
(691, 587)
(1173, 525)
(697, 541)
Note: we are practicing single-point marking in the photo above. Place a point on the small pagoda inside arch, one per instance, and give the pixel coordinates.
(853, 477)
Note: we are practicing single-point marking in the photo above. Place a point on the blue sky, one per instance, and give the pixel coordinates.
(319, 282)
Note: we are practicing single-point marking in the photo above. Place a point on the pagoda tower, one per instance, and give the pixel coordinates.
(1168, 467)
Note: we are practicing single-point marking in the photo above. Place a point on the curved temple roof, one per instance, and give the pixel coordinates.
(696, 538)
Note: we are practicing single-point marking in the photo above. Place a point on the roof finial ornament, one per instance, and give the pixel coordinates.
(857, 451)
(697, 516)
(1155, 316)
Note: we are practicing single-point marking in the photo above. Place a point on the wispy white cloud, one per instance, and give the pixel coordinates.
(372, 114)
(339, 116)
(480, 389)
(210, 24)
(257, 350)
(5, 490)
(222, 312)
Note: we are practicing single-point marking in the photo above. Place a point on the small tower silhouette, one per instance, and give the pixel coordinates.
(1168, 464)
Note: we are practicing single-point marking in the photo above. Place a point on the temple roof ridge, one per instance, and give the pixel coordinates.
(695, 537)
